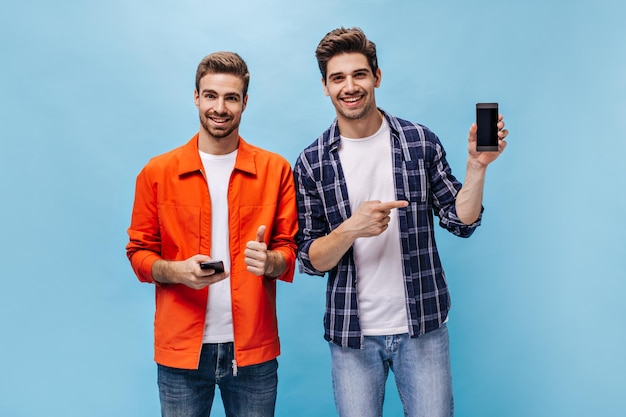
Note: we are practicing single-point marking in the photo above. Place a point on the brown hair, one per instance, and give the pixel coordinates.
(223, 63)
(342, 40)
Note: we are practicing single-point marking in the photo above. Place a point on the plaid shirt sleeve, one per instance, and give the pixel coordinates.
(444, 189)
(311, 217)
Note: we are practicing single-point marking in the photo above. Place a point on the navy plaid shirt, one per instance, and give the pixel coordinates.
(422, 176)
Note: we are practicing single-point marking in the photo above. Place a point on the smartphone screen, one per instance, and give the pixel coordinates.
(487, 121)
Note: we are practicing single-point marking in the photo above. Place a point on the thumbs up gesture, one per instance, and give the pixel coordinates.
(256, 256)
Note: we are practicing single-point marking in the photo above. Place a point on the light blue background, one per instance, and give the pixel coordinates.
(89, 91)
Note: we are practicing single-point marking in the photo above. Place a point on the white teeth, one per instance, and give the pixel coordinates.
(351, 99)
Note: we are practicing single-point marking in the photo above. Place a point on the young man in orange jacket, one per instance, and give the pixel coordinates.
(215, 198)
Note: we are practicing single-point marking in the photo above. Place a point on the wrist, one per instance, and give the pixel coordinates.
(275, 265)
(477, 167)
(344, 234)
(164, 271)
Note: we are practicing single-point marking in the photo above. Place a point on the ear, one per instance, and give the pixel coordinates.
(325, 87)
(244, 103)
(196, 98)
(378, 76)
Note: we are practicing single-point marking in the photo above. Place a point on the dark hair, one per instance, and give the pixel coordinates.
(344, 40)
(223, 63)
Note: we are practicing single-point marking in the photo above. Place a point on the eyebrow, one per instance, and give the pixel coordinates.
(355, 71)
(229, 94)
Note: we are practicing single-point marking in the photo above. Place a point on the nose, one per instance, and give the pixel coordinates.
(220, 105)
(349, 83)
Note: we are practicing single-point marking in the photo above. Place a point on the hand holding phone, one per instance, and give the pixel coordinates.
(487, 122)
(218, 266)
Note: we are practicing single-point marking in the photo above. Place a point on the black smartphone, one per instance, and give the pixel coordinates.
(487, 121)
(217, 265)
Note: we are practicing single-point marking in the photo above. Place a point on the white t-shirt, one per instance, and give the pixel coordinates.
(218, 326)
(367, 166)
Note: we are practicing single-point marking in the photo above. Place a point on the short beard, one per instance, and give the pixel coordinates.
(355, 116)
(216, 133)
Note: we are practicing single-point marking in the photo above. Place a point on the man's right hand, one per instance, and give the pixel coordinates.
(187, 272)
(372, 218)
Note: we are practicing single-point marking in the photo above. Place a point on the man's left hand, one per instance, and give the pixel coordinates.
(256, 253)
(482, 159)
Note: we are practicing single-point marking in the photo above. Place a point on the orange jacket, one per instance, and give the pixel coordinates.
(171, 220)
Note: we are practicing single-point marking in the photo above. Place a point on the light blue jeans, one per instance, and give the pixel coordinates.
(421, 367)
(189, 393)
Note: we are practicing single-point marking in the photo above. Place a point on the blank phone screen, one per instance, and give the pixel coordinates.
(487, 121)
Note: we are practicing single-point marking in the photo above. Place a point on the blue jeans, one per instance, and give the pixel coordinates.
(189, 393)
(421, 367)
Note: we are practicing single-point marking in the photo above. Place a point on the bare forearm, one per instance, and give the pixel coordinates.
(326, 252)
(470, 198)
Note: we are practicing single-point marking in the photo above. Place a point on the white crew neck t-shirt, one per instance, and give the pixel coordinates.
(218, 327)
(367, 166)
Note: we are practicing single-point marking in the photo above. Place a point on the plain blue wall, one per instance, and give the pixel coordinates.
(89, 91)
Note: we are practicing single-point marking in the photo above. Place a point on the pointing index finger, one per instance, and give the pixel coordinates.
(388, 205)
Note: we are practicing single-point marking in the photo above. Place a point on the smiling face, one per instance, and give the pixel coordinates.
(220, 102)
(350, 84)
